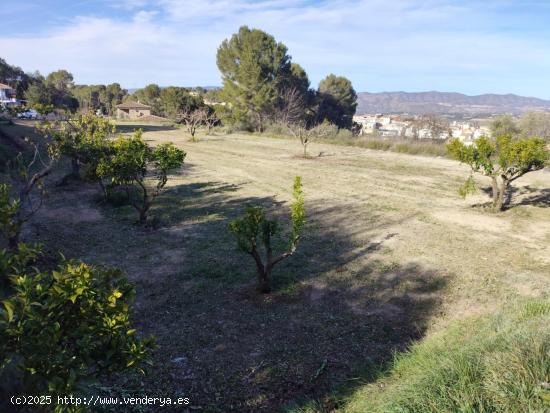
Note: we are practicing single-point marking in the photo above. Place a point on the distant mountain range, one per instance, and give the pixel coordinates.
(447, 103)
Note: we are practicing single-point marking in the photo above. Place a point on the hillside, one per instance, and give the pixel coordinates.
(390, 254)
(447, 103)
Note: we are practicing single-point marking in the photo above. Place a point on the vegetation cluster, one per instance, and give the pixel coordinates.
(65, 325)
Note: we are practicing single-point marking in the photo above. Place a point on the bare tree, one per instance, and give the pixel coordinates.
(293, 106)
(27, 176)
(307, 135)
(192, 120)
(210, 120)
(535, 124)
(435, 124)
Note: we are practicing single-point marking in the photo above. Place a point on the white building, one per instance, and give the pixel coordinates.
(7, 96)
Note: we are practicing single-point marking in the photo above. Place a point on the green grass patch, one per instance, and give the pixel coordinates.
(498, 363)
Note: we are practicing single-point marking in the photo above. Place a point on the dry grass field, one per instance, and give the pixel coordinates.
(390, 254)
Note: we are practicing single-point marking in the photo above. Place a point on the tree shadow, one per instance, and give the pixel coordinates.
(341, 305)
(338, 304)
(524, 195)
(534, 196)
(145, 127)
(186, 203)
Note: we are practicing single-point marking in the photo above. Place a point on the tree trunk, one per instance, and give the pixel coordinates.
(305, 150)
(264, 280)
(494, 186)
(143, 214)
(260, 123)
(264, 272)
(499, 205)
(103, 190)
(13, 242)
(75, 165)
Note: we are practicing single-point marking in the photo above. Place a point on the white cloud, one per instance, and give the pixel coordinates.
(379, 44)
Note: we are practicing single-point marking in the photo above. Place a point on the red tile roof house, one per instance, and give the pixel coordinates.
(132, 110)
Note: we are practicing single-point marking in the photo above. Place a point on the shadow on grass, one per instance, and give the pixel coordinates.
(341, 305)
(336, 315)
(524, 195)
(131, 127)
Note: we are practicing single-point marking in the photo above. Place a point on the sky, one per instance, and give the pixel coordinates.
(467, 46)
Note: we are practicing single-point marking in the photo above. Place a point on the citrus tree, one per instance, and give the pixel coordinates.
(65, 329)
(254, 231)
(503, 159)
(81, 138)
(132, 164)
(10, 217)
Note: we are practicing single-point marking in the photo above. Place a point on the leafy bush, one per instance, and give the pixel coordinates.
(10, 219)
(503, 159)
(82, 139)
(495, 364)
(62, 330)
(255, 227)
(131, 162)
(15, 262)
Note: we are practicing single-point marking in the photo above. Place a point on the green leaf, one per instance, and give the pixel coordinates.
(9, 309)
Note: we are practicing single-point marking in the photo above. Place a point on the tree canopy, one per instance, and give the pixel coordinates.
(337, 101)
(15, 77)
(503, 159)
(252, 63)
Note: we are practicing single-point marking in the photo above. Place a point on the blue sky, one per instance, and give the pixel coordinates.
(473, 47)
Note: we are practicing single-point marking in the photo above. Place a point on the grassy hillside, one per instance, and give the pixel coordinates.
(390, 256)
(495, 363)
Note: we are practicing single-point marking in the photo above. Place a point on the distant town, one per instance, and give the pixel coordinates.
(421, 127)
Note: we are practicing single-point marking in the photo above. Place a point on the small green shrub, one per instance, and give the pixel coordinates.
(16, 262)
(63, 330)
(132, 162)
(255, 228)
(10, 217)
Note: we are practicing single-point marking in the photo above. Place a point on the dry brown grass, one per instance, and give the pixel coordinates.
(390, 254)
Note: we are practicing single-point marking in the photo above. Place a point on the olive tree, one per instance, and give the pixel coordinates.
(133, 163)
(504, 125)
(503, 159)
(254, 230)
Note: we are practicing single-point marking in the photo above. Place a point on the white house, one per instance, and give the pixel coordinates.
(7, 96)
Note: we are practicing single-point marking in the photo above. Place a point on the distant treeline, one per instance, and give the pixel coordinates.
(261, 86)
(58, 90)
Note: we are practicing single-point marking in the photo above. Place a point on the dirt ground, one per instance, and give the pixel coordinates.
(390, 253)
